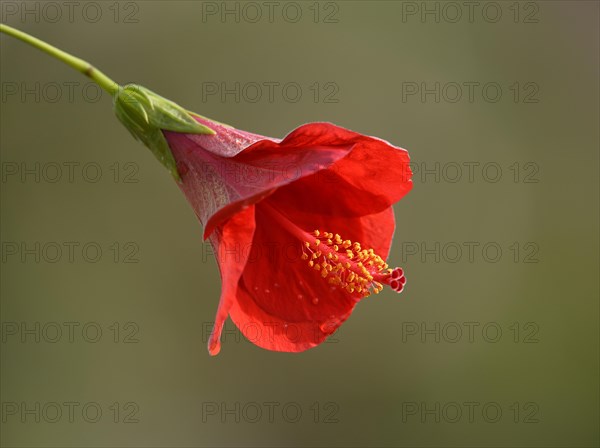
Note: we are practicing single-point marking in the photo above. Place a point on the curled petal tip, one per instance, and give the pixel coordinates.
(214, 346)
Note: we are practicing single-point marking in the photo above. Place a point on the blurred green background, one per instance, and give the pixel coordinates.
(397, 373)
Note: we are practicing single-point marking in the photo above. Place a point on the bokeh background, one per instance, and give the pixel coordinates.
(397, 373)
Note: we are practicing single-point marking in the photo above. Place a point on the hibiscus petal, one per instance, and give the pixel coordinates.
(230, 243)
(372, 177)
(378, 231)
(272, 332)
(227, 142)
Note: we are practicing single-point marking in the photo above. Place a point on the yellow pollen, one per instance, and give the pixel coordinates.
(345, 264)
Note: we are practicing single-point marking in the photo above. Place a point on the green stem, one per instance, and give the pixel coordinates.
(78, 64)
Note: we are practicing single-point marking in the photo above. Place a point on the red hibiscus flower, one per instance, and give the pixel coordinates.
(300, 226)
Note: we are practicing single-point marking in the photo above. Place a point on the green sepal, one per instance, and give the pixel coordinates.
(146, 114)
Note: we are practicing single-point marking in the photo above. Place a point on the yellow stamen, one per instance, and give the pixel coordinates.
(346, 264)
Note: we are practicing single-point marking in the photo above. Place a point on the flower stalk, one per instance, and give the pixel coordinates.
(144, 113)
(78, 64)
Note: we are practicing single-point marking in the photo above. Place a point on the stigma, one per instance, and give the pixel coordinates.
(346, 265)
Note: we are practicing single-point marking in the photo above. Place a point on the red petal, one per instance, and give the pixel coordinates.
(227, 142)
(230, 242)
(372, 177)
(378, 232)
